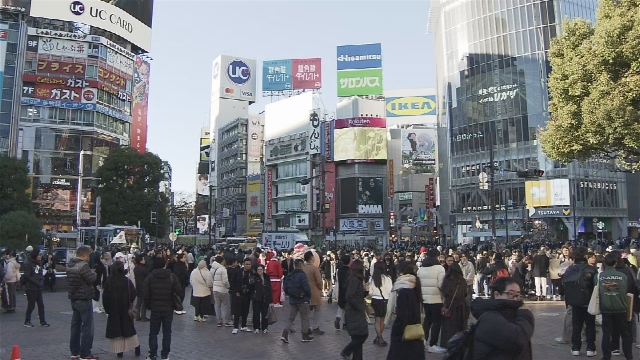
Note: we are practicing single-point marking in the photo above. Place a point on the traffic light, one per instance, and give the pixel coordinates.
(177, 231)
(530, 173)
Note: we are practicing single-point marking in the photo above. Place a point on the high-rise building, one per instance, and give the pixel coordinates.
(492, 67)
(74, 87)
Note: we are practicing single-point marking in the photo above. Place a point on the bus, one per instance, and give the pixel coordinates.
(106, 234)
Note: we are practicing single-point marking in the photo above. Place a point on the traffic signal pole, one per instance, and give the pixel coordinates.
(492, 192)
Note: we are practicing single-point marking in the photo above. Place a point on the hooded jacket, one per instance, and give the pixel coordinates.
(200, 280)
(431, 276)
(158, 290)
(80, 280)
(504, 332)
(12, 271)
(220, 278)
(33, 274)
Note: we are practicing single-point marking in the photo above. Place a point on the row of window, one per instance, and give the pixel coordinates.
(59, 116)
(288, 170)
(242, 189)
(290, 205)
(289, 188)
(231, 174)
(233, 131)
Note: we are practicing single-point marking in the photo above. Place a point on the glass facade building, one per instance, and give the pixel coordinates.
(492, 68)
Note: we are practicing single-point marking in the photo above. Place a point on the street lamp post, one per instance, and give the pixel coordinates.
(79, 190)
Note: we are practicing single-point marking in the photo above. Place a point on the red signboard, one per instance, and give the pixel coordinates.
(111, 78)
(306, 73)
(140, 105)
(61, 67)
(269, 194)
(330, 194)
(430, 195)
(72, 83)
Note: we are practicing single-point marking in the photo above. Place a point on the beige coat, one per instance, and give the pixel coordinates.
(315, 282)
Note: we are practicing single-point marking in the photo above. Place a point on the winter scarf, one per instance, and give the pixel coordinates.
(403, 282)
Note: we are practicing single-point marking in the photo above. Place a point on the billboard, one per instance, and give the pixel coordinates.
(541, 193)
(4, 36)
(365, 56)
(291, 74)
(419, 147)
(213, 156)
(129, 19)
(205, 149)
(234, 78)
(315, 137)
(254, 145)
(59, 92)
(360, 82)
(140, 105)
(349, 196)
(202, 184)
(269, 192)
(203, 224)
(15, 5)
(360, 122)
(370, 195)
(359, 143)
(61, 47)
(359, 224)
(61, 67)
(411, 106)
(253, 195)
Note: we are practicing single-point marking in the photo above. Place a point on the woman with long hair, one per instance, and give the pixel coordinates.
(405, 308)
(354, 312)
(50, 272)
(103, 272)
(119, 295)
(379, 289)
(455, 312)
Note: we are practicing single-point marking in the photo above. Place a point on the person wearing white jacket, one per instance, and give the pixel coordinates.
(221, 298)
(469, 273)
(431, 276)
(11, 279)
(201, 283)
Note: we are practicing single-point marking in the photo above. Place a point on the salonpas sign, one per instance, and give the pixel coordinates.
(360, 82)
(96, 13)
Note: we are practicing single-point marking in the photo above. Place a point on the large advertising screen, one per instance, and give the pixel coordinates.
(370, 195)
(540, 193)
(291, 74)
(205, 148)
(360, 143)
(234, 78)
(140, 105)
(419, 147)
(130, 19)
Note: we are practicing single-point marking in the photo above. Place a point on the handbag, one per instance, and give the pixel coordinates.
(271, 315)
(594, 302)
(368, 307)
(131, 312)
(446, 311)
(177, 302)
(414, 331)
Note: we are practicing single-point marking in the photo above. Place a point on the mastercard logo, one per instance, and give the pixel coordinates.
(228, 91)
(88, 95)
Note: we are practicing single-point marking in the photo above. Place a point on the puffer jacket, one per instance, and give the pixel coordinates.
(201, 281)
(12, 271)
(157, 290)
(80, 280)
(355, 308)
(33, 275)
(220, 278)
(297, 282)
(504, 332)
(431, 276)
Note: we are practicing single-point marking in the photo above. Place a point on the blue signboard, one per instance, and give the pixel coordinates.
(113, 113)
(276, 75)
(366, 56)
(57, 103)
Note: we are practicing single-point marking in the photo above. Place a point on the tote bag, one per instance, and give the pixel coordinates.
(594, 303)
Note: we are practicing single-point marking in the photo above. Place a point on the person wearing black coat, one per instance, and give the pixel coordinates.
(287, 264)
(140, 273)
(342, 275)
(33, 284)
(389, 267)
(261, 298)
(181, 271)
(504, 329)
(119, 295)
(355, 319)
(242, 285)
(539, 271)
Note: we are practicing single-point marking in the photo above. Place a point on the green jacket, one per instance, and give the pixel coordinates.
(612, 285)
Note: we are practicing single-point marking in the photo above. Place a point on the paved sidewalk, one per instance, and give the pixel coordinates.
(193, 340)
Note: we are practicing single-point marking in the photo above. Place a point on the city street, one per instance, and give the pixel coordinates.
(193, 340)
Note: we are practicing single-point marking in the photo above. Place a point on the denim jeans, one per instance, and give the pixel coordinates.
(81, 328)
(160, 319)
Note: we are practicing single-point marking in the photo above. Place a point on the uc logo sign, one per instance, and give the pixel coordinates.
(411, 106)
(77, 8)
(238, 72)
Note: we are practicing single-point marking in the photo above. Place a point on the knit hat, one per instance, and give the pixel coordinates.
(202, 264)
(29, 249)
(423, 250)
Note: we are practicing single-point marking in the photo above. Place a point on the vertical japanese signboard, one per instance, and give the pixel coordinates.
(430, 195)
(140, 105)
(359, 70)
(391, 178)
(269, 194)
(4, 36)
(314, 133)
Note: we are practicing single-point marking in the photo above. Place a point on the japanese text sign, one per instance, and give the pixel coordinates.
(276, 75)
(111, 78)
(366, 56)
(360, 82)
(306, 73)
(60, 67)
(60, 47)
(291, 74)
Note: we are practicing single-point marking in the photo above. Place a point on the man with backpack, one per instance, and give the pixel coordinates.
(578, 282)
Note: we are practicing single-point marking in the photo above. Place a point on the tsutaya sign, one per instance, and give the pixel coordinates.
(549, 212)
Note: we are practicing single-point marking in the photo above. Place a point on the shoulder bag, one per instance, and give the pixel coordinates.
(446, 311)
(177, 302)
(594, 302)
(414, 332)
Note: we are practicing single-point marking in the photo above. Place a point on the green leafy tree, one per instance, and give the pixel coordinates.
(129, 190)
(595, 88)
(14, 183)
(18, 229)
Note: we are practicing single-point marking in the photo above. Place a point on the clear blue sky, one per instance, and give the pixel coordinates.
(189, 35)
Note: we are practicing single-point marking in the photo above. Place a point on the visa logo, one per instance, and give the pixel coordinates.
(411, 106)
(247, 93)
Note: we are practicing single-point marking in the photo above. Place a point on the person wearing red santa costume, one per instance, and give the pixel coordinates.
(274, 270)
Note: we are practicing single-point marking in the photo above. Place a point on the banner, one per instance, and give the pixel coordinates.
(360, 82)
(330, 194)
(255, 139)
(370, 195)
(57, 92)
(253, 195)
(360, 122)
(4, 36)
(60, 67)
(203, 224)
(60, 47)
(391, 179)
(140, 105)
(276, 75)
(419, 147)
(306, 74)
(202, 185)
(22, 6)
(269, 192)
(541, 193)
(205, 148)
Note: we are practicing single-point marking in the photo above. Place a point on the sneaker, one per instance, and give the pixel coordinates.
(150, 358)
(307, 338)
(560, 340)
(436, 349)
(615, 352)
(219, 324)
(317, 331)
(196, 318)
(167, 358)
(177, 312)
(591, 353)
(75, 357)
(256, 331)
(247, 329)
(265, 331)
(277, 305)
(202, 319)
(89, 357)
(44, 324)
(228, 324)
(285, 336)
(336, 323)
(234, 331)
(575, 352)
(28, 324)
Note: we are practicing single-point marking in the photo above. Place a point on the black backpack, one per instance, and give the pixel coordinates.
(576, 292)
(460, 345)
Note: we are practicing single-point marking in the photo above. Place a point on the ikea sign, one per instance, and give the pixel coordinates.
(411, 106)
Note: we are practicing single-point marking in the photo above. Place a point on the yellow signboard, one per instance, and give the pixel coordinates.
(538, 193)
